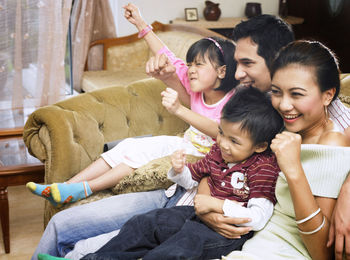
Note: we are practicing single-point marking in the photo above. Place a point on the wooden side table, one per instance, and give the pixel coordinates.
(17, 167)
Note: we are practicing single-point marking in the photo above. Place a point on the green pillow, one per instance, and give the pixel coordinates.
(151, 176)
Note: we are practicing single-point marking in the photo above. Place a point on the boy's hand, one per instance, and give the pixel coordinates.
(160, 67)
(170, 100)
(178, 159)
(132, 14)
(204, 204)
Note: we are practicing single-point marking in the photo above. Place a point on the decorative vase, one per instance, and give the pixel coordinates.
(252, 9)
(211, 11)
(283, 8)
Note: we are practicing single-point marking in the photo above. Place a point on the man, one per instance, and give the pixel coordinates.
(258, 41)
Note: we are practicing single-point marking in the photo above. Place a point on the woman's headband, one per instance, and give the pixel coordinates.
(217, 45)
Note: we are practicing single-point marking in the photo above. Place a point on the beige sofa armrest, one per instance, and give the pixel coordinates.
(70, 134)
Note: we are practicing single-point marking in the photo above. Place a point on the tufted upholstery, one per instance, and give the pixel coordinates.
(126, 61)
(69, 135)
(344, 94)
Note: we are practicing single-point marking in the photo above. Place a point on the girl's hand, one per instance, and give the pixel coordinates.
(178, 159)
(170, 100)
(132, 14)
(286, 147)
(160, 67)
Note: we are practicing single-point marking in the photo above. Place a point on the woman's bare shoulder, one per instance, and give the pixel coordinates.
(334, 138)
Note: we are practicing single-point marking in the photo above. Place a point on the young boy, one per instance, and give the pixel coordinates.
(242, 176)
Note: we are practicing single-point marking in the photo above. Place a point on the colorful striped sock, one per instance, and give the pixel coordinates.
(43, 191)
(65, 193)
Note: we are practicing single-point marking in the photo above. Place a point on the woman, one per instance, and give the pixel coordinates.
(312, 154)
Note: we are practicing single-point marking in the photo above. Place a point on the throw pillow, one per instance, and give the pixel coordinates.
(345, 99)
(151, 176)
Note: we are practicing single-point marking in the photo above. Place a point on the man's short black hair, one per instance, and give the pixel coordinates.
(253, 109)
(269, 32)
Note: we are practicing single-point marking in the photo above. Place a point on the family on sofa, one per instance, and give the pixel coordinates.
(304, 84)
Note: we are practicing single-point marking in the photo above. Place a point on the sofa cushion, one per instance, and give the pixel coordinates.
(151, 176)
(93, 80)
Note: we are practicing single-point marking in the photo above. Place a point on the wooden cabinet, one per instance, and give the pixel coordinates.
(320, 24)
(225, 24)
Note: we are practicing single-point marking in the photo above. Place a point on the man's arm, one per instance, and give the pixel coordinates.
(259, 210)
(339, 232)
(225, 226)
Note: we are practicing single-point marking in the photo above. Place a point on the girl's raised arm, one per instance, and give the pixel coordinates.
(133, 15)
(158, 66)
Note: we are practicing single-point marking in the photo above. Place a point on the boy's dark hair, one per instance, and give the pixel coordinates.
(253, 109)
(207, 47)
(315, 55)
(269, 32)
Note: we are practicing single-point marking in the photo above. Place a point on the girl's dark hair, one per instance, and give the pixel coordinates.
(206, 47)
(315, 55)
(253, 109)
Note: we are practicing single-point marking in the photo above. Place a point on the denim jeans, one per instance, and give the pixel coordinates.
(173, 233)
(71, 225)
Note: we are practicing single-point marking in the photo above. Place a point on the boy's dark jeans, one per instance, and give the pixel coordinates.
(172, 233)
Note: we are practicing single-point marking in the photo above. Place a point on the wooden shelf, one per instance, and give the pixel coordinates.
(228, 22)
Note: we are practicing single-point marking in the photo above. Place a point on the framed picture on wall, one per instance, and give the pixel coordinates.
(191, 14)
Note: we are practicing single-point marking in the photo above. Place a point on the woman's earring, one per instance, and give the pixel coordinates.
(326, 112)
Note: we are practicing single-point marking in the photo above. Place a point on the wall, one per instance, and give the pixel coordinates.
(165, 10)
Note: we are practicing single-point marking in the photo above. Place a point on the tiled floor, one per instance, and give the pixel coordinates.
(26, 224)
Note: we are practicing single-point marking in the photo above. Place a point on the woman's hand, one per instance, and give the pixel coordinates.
(178, 159)
(225, 226)
(286, 147)
(160, 67)
(133, 15)
(170, 100)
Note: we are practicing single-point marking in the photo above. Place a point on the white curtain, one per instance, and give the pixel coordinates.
(33, 38)
(91, 20)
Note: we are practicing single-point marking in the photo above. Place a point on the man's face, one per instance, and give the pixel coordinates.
(251, 68)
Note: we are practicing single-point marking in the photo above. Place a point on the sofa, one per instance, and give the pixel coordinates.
(70, 135)
(124, 58)
(120, 101)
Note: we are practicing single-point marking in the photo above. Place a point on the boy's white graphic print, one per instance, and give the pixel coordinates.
(237, 180)
(240, 184)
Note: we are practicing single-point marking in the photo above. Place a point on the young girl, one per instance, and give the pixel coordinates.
(208, 81)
